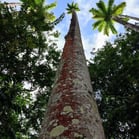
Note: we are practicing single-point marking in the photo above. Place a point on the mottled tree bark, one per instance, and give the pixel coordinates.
(72, 111)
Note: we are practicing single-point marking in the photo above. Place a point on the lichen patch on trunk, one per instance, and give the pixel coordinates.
(57, 131)
(75, 121)
(67, 109)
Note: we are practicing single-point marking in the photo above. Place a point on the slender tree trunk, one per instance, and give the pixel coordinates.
(127, 24)
(130, 17)
(72, 111)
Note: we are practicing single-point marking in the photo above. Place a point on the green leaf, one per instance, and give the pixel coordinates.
(101, 26)
(106, 29)
(97, 17)
(96, 12)
(102, 7)
(96, 24)
(51, 6)
(114, 31)
(110, 4)
(117, 10)
(39, 2)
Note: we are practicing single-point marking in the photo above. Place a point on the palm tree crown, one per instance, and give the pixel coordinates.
(72, 7)
(106, 15)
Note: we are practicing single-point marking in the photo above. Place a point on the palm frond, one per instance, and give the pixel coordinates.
(117, 10)
(69, 5)
(98, 17)
(101, 26)
(97, 24)
(102, 7)
(112, 28)
(76, 5)
(110, 6)
(106, 29)
(51, 6)
(96, 12)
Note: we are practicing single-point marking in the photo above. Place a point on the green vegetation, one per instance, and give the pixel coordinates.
(114, 73)
(28, 61)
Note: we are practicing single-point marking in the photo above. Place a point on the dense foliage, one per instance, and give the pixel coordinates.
(28, 61)
(115, 77)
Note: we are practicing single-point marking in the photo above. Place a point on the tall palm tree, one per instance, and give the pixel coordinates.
(106, 15)
(72, 111)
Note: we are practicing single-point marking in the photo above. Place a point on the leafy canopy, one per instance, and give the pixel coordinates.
(114, 74)
(104, 16)
(28, 61)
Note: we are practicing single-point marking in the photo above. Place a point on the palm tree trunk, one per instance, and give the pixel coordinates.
(130, 17)
(127, 24)
(72, 111)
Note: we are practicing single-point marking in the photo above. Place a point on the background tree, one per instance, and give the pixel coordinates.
(28, 61)
(106, 15)
(114, 73)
